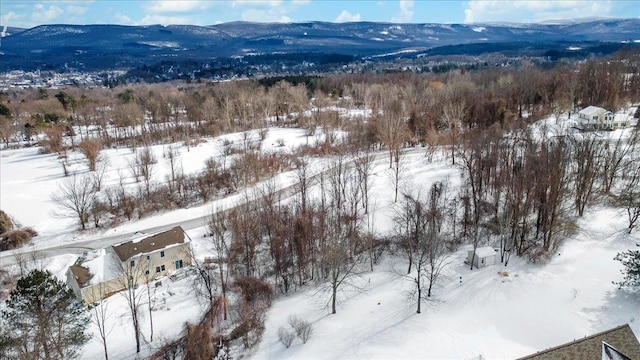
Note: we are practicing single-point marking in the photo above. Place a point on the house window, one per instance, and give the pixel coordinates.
(148, 257)
(179, 264)
(162, 253)
(132, 263)
(482, 261)
(162, 268)
(146, 272)
(157, 269)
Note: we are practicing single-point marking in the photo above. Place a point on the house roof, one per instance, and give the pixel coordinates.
(591, 110)
(97, 269)
(485, 251)
(129, 249)
(81, 274)
(621, 339)
(101, 267)
(610, 353)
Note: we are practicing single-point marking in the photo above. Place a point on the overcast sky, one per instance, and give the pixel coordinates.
(30, 13)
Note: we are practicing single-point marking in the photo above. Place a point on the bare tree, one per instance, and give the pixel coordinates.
(340, 234)
(421, 234)
(142, 166)
(100, 316)
(552, 184)
(398, 172)
(339, 265)
(217, 224)
(614, 156)
(304, 182)
(126, 117)
(473, 166)
(364, 168)
(172, 153)
(75, 197)
(101, 169)
(147, 164)
(392, 124)
(150, 290)
(91, 150)
(7, 129)
(587, 153)
(452, 115)
(244, 223)
(54, 141)
(629, 197)
(129, 273)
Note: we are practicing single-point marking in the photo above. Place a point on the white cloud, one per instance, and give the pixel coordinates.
(276, 14)
(533, 11)
(256, 3)
(153, 19)
(9, 18)
(44, 15)
(346, 16)
(76, 10)
(122, 19)
(406, 12)
(172, 6)
(27, 14)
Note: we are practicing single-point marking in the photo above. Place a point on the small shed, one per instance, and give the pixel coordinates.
(485, 256)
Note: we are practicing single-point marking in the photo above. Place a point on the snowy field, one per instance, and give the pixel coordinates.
(27, 180)
(499, 317)
(533, 308)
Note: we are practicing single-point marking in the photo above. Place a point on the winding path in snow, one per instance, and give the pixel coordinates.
(9, 258)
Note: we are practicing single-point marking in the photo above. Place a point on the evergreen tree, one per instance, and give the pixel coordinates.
(631, 261)
(42, 320)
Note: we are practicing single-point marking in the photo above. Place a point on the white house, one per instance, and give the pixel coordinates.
(597, 118)
(485, 256)
(137, 261)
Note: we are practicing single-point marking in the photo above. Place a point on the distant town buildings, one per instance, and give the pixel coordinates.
(18, 79)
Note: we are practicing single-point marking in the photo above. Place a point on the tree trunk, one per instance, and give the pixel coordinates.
(334, 289)
(419, 292)
(223, 285)
(136, 327)
(151, 324)
(104, 346)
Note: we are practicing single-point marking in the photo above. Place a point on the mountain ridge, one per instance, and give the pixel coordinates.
(125, 46)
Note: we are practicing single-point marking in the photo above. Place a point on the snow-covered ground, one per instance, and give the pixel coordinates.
(27, 180)
(500, 317)
(534, 307)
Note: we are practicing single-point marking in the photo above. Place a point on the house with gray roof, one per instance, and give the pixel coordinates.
(140, 260)
(619, 343)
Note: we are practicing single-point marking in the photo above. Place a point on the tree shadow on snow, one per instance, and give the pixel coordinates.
(619, 307)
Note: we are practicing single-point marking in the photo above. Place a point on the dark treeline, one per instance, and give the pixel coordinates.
(152, 114)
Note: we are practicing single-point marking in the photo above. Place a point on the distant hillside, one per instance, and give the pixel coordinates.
(95, 47)
(8, 30)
